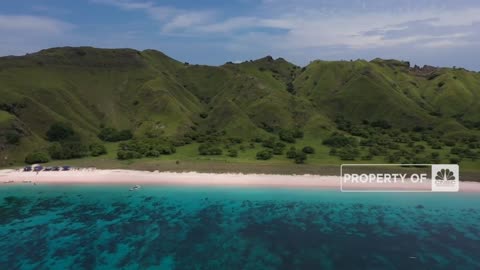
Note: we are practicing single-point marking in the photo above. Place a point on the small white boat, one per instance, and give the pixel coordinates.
(136, 187)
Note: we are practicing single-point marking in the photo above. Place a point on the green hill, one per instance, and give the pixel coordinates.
(389, 108)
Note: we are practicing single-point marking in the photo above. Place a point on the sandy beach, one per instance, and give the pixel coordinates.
(130, 177)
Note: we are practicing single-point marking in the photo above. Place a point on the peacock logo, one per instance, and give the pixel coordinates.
(445, 177)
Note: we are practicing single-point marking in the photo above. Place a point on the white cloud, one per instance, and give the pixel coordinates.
(311, 29)
(26, 33)
(37, 25)
(185, 20)
(126, 4)
(285, 28)
(171, 17)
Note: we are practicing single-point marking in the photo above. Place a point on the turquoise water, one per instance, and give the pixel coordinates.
(99, 227)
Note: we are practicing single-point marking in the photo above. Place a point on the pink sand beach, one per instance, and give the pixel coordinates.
(130, 177)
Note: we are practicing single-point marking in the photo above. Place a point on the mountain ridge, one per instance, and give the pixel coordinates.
(152, 93)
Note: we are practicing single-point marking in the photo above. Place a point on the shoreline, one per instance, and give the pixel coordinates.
(134, 177)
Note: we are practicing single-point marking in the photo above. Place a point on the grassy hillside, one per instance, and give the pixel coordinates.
(347, 111)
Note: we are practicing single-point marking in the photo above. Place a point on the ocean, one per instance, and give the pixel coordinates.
(168, 227)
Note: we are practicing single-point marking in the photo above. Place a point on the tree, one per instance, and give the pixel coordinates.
(124, 155)
(207, 149)
(308, 150)
(381, 124)
(112, 135)
(297, 133)
(339, 140)
(300, 157)
(269, 143)
(232, 153)
(97, 149)
(152, 153)
(348, 153)
(67, 150)
(290, 88)
(287, 136)
(278, 148)
(292, 153)
(455, 160)
(12, 137)
(37, 157)
(59, 132)
(264, 155)
(56, 151)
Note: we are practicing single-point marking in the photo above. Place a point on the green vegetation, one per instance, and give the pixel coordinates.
(147, 107)
(264, 155)
(59, 132)
(207, 149)
(97, 149)
(67, 150)
(113, 135)
(300, 157)
(145, 147)
(292, 153)
(308, 150)
(12, 137)
(37, 157)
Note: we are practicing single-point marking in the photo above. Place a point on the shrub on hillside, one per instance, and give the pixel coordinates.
(152, 153)
(381, 124)
(348, 153)
(358, 131)
(113, 135)
(97, 149)
(435, 157)
(367, 157)
(75, 149)
(208, 149)
(308, 150)
(297, 133)
(418, 148)
(234, 140)
(269, 142)
(286, 136)
(37, 157)
(148, 145)
(60, 132)
(449, 142)
(455, 160)
(340, 140)
(393, 158)
(300, 157)
(277, 151)
(12, 137)
(264, 155)
(290, 88)
(278, 148)
(67, 150)
(126, 154)
(291, 153)
(232, 153)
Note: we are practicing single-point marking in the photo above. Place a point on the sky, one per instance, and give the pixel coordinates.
(434, 32)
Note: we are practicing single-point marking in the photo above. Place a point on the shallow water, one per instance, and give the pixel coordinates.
(100, 227)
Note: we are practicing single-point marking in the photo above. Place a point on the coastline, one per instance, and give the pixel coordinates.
(134, 177)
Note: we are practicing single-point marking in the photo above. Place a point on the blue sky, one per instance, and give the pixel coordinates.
(436, 32)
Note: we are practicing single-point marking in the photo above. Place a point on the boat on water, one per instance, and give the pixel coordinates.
(136, 187)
